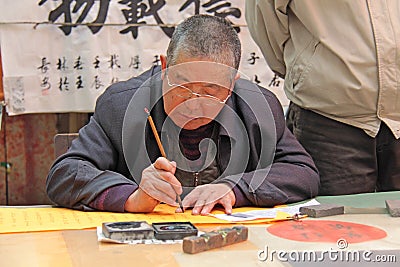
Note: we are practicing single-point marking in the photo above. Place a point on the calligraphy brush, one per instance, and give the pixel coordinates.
(160, 146)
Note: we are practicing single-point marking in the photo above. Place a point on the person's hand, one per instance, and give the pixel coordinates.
(158, 184)
(203, 198)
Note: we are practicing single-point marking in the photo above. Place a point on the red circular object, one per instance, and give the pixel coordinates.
(325, 231)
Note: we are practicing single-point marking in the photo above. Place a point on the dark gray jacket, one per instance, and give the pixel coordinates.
(256, 153)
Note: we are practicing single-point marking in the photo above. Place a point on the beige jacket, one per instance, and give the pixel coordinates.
(339, 58)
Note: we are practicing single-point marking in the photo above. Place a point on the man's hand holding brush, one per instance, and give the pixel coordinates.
(158, 184)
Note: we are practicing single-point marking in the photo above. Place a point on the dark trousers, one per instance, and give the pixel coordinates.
(349, 160)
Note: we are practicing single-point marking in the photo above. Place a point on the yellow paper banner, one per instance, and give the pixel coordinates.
(29, 219)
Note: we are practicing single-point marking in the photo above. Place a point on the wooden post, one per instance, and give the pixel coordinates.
(1, 80)
(3, 169)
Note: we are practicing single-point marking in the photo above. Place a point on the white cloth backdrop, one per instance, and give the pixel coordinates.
(60, 55)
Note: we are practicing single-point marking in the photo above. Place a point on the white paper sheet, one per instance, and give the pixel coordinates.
(263, 214)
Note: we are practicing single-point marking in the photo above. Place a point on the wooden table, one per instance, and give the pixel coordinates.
(81, 248)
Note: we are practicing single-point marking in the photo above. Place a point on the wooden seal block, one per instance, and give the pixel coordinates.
(215, 239)
(323, 210)
(393, 207)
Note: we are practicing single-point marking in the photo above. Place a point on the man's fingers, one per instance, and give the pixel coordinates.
(226, 202)
(202, 201)
(198, 207)
(159, 189)
(190, 200)
(164, 164)
(204, 198)
(172, 181)
(207, 208)
(166, 170)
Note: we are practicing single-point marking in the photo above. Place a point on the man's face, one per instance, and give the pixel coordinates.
(195, 91)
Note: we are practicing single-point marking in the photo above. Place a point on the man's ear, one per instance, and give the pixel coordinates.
(163, 60)
(237, 76)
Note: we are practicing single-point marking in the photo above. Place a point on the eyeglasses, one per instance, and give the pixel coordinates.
(186, 94)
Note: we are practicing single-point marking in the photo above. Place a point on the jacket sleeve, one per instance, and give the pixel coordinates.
(89, 167)
(267, 21)
(291, 177)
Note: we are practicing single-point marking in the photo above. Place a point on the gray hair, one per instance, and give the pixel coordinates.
(205, 36)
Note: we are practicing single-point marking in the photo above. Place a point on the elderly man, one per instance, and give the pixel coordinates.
(225, 138)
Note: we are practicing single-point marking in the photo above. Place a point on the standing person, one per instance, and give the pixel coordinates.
(341, 64)
(225, 138)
